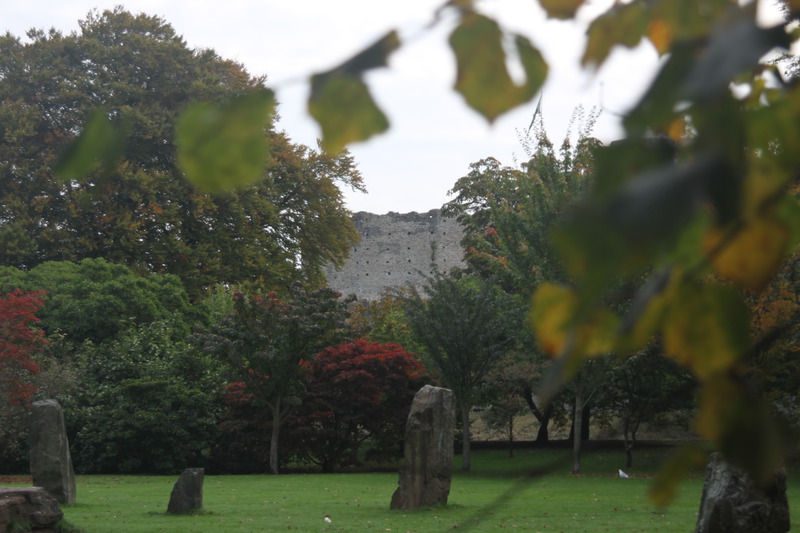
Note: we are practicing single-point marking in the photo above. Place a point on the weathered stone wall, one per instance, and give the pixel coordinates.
(396, 249)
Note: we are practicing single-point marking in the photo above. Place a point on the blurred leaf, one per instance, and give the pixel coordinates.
(561, 9)
(551, 315)
(743, 427)
(732, 49)
(374, 56)
(657, 108)
(563, 330)
(674, 470)
(220, 148)
(622, 160)
(661, 35)
(643, 320)
(482, 77)
(345, 110)
(623, 24)
(626, 232)
(99, 144)
(751, 255)
(706, 328)
(341, 102)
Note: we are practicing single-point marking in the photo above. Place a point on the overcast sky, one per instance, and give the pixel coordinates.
(433, 136)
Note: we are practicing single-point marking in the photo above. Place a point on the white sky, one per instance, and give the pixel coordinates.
(433, 136)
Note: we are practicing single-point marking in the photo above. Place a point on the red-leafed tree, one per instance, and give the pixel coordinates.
(18, 339)
(356, 392)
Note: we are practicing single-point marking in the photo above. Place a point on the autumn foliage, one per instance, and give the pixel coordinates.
(18, 339)
(356, 392)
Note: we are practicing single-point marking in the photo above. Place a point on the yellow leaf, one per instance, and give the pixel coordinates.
(705, 329)
(676, 130)
(752, 254)
(561, 9)
(661, 35)
(551, 312)
(482, 77)
(560, 326)
(647, 325)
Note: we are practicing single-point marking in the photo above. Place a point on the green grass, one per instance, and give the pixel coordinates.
(497, 494)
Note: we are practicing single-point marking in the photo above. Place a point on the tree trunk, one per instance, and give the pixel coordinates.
(586, 416)
(627, 443)
(542, 416)
(273, 441)
(465, 438)
(577, 425)
(510, 436)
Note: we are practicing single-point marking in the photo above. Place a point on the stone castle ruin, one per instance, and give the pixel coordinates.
(397, 249)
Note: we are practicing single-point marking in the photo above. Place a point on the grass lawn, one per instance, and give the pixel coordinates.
(497, 494)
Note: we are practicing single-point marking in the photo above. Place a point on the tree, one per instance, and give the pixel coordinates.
(678, 218)
(356, 392)
(508, 215)
(646, 385)
(267, 341)
(467, 327)
(19, 340)
(123, 81)
(97, 301)
(384, 321)
(148, 405)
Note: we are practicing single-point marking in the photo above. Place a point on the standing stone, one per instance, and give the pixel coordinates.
(428, 454)
(51, 465)
(187, 494)
(32, 507)
(732, 503)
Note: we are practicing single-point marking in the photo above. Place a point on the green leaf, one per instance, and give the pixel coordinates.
(345, 110)
(688, 457)
(706, 329)
(341, 102)
(220, 148)
(732, 50)
(623, 24)
(99, 144)
(561, 9)
(482, 76)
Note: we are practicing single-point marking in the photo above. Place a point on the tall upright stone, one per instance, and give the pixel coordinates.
(428, 454)
(187, 494)
(51, 464)
(732, 503)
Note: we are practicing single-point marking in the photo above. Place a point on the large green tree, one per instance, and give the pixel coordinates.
(97, 301)
(147, 404)
(133, 74)
(466, 326)
(508, 215)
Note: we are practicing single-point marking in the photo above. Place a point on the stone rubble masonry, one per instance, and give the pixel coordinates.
(32, 506)
(397, 249)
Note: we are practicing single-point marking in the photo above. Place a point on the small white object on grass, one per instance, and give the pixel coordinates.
(623, 475)
(327, 519)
